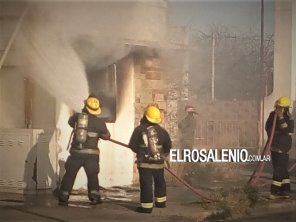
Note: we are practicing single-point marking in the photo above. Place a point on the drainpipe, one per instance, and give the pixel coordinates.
(213, 66)
(262, 88)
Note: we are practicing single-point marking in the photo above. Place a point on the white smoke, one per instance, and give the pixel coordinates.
(51, 61)
(62, 41)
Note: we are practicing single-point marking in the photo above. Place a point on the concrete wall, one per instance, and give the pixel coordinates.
(284, 79)
(282, 54)
(12, 99)
(116, 162)
(12, 87)
(43, 109)
(293, 82)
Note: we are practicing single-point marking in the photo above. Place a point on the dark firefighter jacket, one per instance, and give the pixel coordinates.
(96, 129)
(138, 145)
(282, 139)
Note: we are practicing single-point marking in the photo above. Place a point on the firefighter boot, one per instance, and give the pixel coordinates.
(63, 198)
(96, 201)
(160, 204)
(94, 197)
(144, 210)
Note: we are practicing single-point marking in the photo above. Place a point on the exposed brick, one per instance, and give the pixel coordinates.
(137, 68)
(159, 91)
(151, 69)
(156, 62)
(146, 98)
(137, 95)
(139, 108)
(162, 105)
(157, 84)
(153, 75)
(141, 84)
(150, 85)
(159, 97)
(148, 63)
(140, 76)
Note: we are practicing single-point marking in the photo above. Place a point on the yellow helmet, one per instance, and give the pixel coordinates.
(92, 105)
(152, 113)
(283, 101)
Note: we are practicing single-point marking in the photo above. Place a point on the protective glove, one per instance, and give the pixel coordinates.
(166, 158)
(105, 136)
(279, 111)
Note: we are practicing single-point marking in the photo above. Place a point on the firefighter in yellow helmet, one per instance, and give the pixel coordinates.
(88, 128)
(152, 145)
(280, 146)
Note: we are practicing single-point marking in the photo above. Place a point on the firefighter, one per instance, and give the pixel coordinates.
(187, 127)
(152, 145)
(88, 128)
(280, 146)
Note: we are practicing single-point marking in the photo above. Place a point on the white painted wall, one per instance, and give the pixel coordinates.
(282, 55)
(284, 66)
(43, 109)
(293, 82)
(116, 162)
(12, 99)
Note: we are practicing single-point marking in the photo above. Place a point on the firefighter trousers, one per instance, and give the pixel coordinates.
(90, 163)
(280, 180)
(147, 176)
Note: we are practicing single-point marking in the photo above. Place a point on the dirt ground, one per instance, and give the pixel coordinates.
(119, 203)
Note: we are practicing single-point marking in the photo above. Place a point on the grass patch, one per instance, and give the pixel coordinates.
(234, 201)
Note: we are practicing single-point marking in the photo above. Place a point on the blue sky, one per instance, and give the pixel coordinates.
(239, 15)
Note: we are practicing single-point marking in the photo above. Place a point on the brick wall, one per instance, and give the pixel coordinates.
(153, 84)
(150, 85)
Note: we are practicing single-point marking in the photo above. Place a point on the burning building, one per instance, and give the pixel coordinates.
(54, 53)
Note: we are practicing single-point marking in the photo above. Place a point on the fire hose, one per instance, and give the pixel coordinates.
(292, 167)
(258, 171)
(195, 191)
